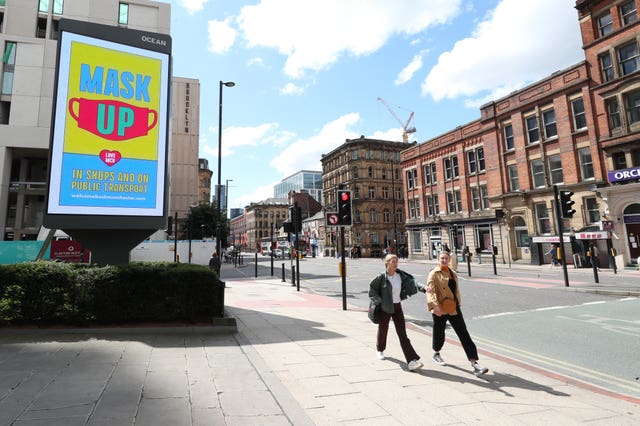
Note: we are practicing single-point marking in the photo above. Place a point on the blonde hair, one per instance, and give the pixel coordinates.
(389, 257)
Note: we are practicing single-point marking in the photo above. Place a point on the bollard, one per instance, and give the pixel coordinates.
(293, 275)
(495, 270)
(469, 264)
(256, 264)
(283, 280)
(271, 265)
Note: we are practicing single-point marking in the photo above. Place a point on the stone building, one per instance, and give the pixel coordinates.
(370, 169)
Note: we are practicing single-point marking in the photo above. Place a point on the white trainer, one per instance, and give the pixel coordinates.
(380, 355)
(414, 365)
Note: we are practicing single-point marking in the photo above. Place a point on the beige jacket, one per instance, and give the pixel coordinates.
(438, 288)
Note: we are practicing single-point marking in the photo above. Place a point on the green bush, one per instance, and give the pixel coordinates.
(60, 293)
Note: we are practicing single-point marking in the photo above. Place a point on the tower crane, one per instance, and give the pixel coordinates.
(406, 130)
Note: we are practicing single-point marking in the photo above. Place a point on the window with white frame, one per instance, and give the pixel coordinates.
(416, 241)
(370, 172)
(605, 24)
(514, 182)
(454, 201)
(355, 172)
(356, 192)
(8, 61)
(592, 209)
(555, 169)
(384, 174)
(354, 154)
(484, 197)
(451, 167)
(578, 114)
(385, 192)
(533, 132)
(475, 198)
(537, 173)
(549, 122)
(509, 142)
(399, 193)
(586, 163)
(412, 178)
(432, 205)
(399, 218)
(373, 237)
(386, 216)
(372, 192)
(356, 217)
(628, 13)
(542, 218)
(414, 208)
(429, 172)
(475, 160)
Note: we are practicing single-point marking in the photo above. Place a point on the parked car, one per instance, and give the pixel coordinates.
(276, 252)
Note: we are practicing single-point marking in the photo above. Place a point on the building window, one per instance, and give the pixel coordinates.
(508, 137)
(522, 233)
(613, 111)
(357, 216)
(8, 62)
(451, 167)
(579, 116)
(355, 172)
(373, 216)
(399, 218)
(370, 172)
(412, 179)
(555, 169)
(533, 132)
(628, 12)
(475, 160)
(619, 160)
(542, 218)
(592, 209)
(628, 57)
(386, 216)
(354, 153)
(43, 6)
(586, 163)
(605, 24)
(414, 208)
(432, 205)
(454, 201)
(384, 174)
(374, 238)
(549, 122)
(514, 182)
(372, 192)
(385, 192)
(479, 198)
(429, 172)
(537, 173)
(606, 67)
(356, 192)
(416, 241)
(633, 106)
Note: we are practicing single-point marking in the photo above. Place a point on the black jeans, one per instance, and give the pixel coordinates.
(459, 326)
(401, 329)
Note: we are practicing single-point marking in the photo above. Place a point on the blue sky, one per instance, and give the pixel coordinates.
(309, 73)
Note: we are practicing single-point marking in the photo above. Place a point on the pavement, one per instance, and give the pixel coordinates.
(280, 357)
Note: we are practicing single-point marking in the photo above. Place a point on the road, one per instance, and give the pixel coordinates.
(525, 314)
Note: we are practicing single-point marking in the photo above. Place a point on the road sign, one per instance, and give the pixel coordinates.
(332, 219)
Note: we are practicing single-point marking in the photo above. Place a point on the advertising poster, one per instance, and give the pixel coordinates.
(108, 152)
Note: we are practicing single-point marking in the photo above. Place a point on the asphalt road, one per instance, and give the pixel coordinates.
(528, 315)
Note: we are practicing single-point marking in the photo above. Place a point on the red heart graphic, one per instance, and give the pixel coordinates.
(110, 157)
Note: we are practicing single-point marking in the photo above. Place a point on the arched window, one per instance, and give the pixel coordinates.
(370, 172)
(522, 233)
(355, 172)
(386, 216)
(373, 216)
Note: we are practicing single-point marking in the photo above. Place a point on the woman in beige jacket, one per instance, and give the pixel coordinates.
(443, 300)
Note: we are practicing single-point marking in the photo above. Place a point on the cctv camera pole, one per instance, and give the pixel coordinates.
(563, 258)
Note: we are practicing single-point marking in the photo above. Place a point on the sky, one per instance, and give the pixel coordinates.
(309, 73)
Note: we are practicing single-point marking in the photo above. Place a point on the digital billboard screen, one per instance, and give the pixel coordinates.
(109, 139)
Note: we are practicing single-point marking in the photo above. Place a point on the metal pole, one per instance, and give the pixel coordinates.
(563, 259)
(298, 220)
(219, 228)
(175, 239)
(344, 270)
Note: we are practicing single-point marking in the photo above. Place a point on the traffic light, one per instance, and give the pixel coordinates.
(170, 225)
(344, 208)
(295, 214)
(566, 203)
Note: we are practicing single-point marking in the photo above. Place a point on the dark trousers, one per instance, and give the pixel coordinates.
(459, 326)
(398, 321)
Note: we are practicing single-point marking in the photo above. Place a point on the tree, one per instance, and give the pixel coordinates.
(204, 219)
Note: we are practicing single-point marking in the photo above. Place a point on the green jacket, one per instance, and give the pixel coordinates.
(380, 289)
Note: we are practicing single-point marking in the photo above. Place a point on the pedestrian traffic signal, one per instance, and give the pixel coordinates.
(344, 208)
(566, 203)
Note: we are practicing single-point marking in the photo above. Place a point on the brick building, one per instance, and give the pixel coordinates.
(491, 182)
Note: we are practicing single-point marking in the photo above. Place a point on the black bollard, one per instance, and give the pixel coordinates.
(469, 264)
(293, 275)
(283, 280)
(272, 265)
(256, 264)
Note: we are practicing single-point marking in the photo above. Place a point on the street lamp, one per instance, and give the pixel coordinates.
(219, 231)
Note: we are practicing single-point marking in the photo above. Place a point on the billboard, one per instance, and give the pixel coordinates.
(109, 137)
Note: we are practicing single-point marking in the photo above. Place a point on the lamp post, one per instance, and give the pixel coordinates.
(219, 230)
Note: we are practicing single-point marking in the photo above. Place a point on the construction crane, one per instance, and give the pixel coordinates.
(406, 130)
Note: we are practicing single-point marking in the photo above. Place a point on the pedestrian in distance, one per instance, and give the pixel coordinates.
(214, 263)
(443, 301)
(388, 290)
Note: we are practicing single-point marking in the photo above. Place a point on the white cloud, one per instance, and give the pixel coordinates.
(193, 6)
(259, 194)
(221, 35)
(257, 61)
(508, 49)
(314, 34)
(292, 89)
(407, 73)
(305, 154)
(235, 137)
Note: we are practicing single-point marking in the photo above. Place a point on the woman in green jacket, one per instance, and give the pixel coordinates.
(387, 290)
